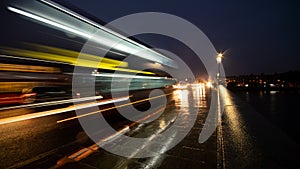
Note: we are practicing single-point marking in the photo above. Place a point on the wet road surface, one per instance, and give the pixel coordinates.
(44, 143)
(243, 140)
(251, 141)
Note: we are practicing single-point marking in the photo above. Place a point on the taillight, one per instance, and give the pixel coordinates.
(28, 95)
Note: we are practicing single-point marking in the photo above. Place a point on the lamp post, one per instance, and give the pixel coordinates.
(219, 61)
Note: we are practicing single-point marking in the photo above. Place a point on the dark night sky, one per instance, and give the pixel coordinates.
(258, 36)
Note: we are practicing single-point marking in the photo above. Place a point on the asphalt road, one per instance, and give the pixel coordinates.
(252, 141)
(243, 140)
(45, 142)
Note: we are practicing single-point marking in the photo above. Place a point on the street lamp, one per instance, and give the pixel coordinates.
(219, 61)
(219, 58)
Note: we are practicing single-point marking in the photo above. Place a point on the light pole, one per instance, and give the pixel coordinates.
(219, 61)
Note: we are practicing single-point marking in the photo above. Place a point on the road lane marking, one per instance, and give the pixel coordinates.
(87, 151)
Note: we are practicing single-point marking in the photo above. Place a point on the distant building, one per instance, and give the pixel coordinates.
(288, 80)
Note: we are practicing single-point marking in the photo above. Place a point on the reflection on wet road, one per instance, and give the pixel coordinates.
(250, 141)
(43, 143)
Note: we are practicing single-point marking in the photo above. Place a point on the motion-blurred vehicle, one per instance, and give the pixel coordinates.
(181, 85)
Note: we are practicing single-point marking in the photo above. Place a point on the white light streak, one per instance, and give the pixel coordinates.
(121, 37)
(127, 76)
(53, 103)
(57, 111)
(47, 21)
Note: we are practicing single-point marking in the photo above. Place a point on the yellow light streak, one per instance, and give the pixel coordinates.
(74, 54)
(17, 86)
(108, 64)
(28, 68)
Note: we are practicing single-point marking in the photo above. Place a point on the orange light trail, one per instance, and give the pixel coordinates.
(58, 111)
(85, 152)
(110, 108)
